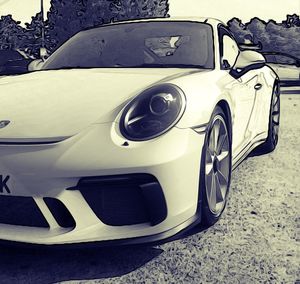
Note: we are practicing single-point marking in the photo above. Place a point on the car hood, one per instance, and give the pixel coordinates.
(52, 105)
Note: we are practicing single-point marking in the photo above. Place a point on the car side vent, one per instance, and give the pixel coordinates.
(59, 211)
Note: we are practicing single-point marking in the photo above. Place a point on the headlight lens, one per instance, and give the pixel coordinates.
(153, 112)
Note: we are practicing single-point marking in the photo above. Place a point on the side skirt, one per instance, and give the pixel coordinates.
(242, 155)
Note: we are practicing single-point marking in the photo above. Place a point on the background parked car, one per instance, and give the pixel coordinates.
(13, 62)
(286, 66)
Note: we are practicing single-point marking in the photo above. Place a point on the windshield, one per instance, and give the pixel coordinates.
(143, 44)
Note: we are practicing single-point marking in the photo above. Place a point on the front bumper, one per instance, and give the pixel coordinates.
(48, 172)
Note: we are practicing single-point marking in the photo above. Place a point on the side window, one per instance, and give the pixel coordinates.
(270, 58)
(229, 49)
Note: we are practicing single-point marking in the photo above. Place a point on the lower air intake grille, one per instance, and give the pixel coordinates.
(21, 211)
(124, 199)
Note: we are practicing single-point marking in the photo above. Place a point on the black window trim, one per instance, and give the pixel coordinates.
(222, 30)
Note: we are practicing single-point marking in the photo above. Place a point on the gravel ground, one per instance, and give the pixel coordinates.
(256, 240)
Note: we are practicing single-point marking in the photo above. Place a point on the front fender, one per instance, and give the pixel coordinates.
(203, 92)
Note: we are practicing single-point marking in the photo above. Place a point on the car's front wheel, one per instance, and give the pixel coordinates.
(215, 171)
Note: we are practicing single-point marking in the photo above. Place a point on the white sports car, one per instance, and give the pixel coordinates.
(130, 131)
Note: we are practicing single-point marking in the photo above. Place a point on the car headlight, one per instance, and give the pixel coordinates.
(153, 112)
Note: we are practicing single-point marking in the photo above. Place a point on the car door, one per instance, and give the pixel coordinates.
(243, 94)
(242, 91)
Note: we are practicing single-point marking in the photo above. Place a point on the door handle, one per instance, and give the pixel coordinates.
(258, 86)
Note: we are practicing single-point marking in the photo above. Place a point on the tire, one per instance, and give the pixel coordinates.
(274, 120)
(215, 169)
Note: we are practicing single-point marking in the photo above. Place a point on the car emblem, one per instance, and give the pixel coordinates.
(4, 123)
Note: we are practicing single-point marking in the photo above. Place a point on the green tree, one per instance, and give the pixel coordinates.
(98, 12)
(276, 37)
(239, 30)
(11, 33)
(135, 9)
(257, 28)
(37, 36)
(65, 18)
(291, 21)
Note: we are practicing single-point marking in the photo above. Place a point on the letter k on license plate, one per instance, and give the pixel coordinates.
(4, 184)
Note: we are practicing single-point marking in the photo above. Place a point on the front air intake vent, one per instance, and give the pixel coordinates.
(59, 211)
(21, 211)
(124, 199)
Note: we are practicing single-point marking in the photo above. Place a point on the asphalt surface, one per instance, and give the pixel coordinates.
(256, 240)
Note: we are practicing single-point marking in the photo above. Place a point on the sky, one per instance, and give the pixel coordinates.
(22, 10)
(243, 9)
(224, 10)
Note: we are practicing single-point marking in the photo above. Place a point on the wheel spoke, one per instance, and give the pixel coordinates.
(209, 153)
(223, 155)
(275, 110)
(224, 167)
(275, 100)
(219, 193)
(216, 134)
(210, 190)
(275, 119)
(208, 168)
(276, 126)
(274, 137)
(208, 161)
(221, 143)
(223, 179)
(276, 129)
(211, 145)
(213, 194)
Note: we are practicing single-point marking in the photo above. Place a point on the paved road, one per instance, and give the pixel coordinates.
(254, 242)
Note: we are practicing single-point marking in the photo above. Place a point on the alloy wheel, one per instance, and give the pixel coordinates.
(275, 114)
(217, 165)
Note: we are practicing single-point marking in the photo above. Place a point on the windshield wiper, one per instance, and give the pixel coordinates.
(145, 65)
(161, 65)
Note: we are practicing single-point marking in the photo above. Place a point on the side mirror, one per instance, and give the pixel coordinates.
(35, 65)
(247, 60)
(250, 46)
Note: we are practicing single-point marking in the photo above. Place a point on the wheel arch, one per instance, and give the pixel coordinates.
(225, 107)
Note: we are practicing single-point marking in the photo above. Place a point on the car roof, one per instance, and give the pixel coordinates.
(169, 19)
(211, 21)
